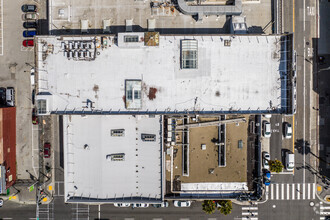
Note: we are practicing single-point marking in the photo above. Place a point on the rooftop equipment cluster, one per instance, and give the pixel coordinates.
(78, 50)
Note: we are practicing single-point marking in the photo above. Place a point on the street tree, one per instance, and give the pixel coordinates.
(275, 166)
(209, 206)
(225, 206)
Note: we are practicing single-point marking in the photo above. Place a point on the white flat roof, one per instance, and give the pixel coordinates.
(88, 174)
(244, 76)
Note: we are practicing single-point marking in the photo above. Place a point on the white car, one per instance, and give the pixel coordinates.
(267, 115)
(182, 203)
(29, 16)
(122, 205)
(1, 202)
(140, 205)
(265, 160)
(267, 130)
(287, 130)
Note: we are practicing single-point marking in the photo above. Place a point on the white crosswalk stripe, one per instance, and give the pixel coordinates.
(250, 212)
(290, 191)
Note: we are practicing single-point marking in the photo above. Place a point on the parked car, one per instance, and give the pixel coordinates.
(122, 205)
(267, 129)
(182, 203)
(161, 205)
(265, 160)
(29, 33)
(140, 205)
(287, 130)
(2, 96)
(29, 8)
(28, 43)
(1, 202)
(47, 150)
(267, 115)
(34, 117)
(267, 178)
(30, 16)
(289, 161)
(30, 24)
(10, 96)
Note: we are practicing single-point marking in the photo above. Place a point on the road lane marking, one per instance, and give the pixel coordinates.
(277, 191)
(293, 190)
(308, 191)
(271, 191)
(267, 192)
(282, 191)
(250, 213)
(324, 207)
(250, 208)
(293, 21)
(298, 191)
(324, 213)
(314, 188)
(287, 191)
(303, 189)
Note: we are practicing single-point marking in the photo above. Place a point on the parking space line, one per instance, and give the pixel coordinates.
(282, 191)
(277, 191)
(293, 190)
(298, 189)
(267, 191)
(287, 191)
(314, 186)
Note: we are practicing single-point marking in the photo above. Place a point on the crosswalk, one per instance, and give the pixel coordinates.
(249, 212)
(324, 211)
(290, 191)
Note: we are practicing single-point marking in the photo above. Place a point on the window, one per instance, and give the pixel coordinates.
(118, 132)
(131, 38)
(42, 106)
(129, 95)
(137, 94)
(189, 49)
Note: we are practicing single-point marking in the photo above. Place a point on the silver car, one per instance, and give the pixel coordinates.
(10, 96)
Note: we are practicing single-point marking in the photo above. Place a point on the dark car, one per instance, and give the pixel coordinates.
(3, 96)
(28, 43)
(30, 24)
(47, 150)
(29, 33)
(29, 8)
(34, 117)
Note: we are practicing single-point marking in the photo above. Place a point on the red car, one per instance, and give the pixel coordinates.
(28, 43)
(47, 150)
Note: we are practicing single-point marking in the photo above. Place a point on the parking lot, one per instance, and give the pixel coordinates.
(16, 62)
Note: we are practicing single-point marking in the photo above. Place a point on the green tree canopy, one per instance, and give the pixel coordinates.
(275, 166)
(209, 206)
(225, 206)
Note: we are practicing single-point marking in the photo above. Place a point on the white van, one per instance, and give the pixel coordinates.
(289, 161)
(10, 96)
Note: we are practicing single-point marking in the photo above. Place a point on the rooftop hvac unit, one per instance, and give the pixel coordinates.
(88, 53)
(75, 45)
(65, 53)
(70, 45)
(70, 54)
(84, 26)
(81, 53)
(76, 53)
(62, 45)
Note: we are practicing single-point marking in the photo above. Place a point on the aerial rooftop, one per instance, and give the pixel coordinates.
(167, 74)
(112, 157)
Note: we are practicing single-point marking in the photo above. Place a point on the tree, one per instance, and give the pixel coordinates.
(225, 206)
(275, 166)
(209, 206)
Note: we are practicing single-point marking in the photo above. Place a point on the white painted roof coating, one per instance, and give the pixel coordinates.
(242, 76)
(87, 172)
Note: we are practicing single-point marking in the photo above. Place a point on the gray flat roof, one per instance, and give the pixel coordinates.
(88, 174)
(243, 76)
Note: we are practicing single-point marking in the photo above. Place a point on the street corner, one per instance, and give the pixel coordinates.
(323, 192)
